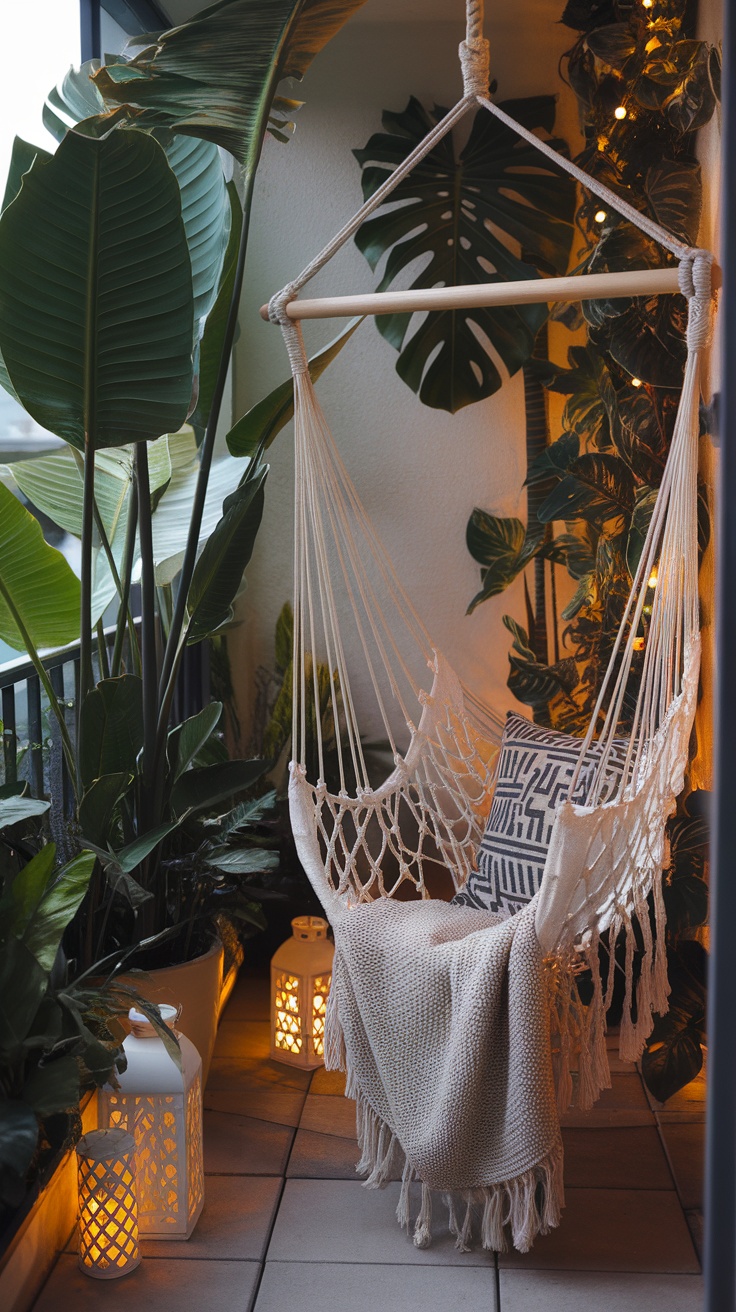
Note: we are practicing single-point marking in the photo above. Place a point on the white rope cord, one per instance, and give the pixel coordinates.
(433, 806)
(671, 547)
(642, 221)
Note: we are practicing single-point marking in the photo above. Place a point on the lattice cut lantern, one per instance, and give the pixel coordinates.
(301, 971)
(108, 1204)
(161, 1106)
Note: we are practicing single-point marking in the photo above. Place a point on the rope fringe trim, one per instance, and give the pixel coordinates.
(523, 1207)
(520, 1209)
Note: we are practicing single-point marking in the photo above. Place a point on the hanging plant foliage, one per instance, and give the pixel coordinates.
(492, 213)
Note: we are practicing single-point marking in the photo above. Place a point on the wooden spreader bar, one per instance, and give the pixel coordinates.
(532, 291)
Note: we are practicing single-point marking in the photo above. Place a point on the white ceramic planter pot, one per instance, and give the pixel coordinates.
(195, 987)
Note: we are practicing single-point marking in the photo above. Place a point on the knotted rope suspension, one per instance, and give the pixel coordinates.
(357, 841)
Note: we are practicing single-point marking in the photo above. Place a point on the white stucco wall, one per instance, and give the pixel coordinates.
(419, 472)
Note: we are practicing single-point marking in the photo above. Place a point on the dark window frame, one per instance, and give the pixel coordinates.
(132, 15)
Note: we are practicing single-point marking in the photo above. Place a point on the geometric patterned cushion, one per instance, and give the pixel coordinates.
(534, 775)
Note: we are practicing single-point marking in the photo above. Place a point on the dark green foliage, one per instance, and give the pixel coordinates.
(453, 209)
(603, 472)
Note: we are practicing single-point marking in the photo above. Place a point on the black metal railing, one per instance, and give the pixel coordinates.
(31, 736)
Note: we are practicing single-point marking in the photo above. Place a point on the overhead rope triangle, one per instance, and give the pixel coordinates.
(405, 973)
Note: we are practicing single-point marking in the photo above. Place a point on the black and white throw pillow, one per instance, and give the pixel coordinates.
(534, 775)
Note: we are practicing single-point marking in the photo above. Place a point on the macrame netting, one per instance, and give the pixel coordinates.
(358, 641)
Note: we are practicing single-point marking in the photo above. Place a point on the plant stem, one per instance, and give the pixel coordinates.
(124, 612)
(103, 662)
(86, 677)
(45, 681)
(174, 645)
(148, 634)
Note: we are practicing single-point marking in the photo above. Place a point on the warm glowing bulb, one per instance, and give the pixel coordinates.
(636, 382)
(653, 578)
(647, 4)
(600, 216)
(619, 112)
(638, 644)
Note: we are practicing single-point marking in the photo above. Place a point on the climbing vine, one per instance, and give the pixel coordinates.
(644, 87)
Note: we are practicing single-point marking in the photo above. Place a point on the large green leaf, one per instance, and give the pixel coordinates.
(111, 728)
(215, 76)
(13, 810)
(172, 514)
(96, 292)
(21, 160)
(74, 99)
(206, 214)
(530, 681)
(23, 983)
(196, 165)
(264, 421)
(674, 1052)
(199, 788)
(54, 1086)
(27, 891)
(596, 488)
(215, 329)
(674, 191)
(466, 217)
(37, 586)
(51, 913)
(242, 860)
(502, 547)
(219, 571)
(187, 739)
(18, 1139)
(53, 483)
(99, 804)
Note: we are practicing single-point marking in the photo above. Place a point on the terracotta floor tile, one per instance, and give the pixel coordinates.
(691, 1098)
(328, 1082)
(636, 1230)
(322, 1157)
(604, 1157)
(625, 1103)
(577, 1291)
(694, 1220)
(242, 1145)
(243, 1038)
(159, 1285)
(344, 1287)
(230, 1074)
(341, 1221)
(235, 1222)
(249, 1000)
(329, 1115)
(234, 1225)
(274, 1103)
(685, 1144)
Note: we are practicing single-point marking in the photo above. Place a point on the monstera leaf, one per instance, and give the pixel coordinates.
(95, 279)
(452, 210)
(215, 76)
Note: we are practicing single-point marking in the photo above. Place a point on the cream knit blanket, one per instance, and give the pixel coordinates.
(440, 1017)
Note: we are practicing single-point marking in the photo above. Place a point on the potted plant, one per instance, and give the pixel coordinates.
(58, 1037)
(121, 267)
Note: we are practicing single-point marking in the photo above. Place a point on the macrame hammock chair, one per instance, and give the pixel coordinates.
(358, 640)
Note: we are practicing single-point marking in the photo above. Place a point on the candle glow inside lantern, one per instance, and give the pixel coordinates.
(108, 1205)
(301, 971)
(161, 1106)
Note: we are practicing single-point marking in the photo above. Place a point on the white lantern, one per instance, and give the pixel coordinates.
(108, 1207)
(301, 971)
(161, 1106)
